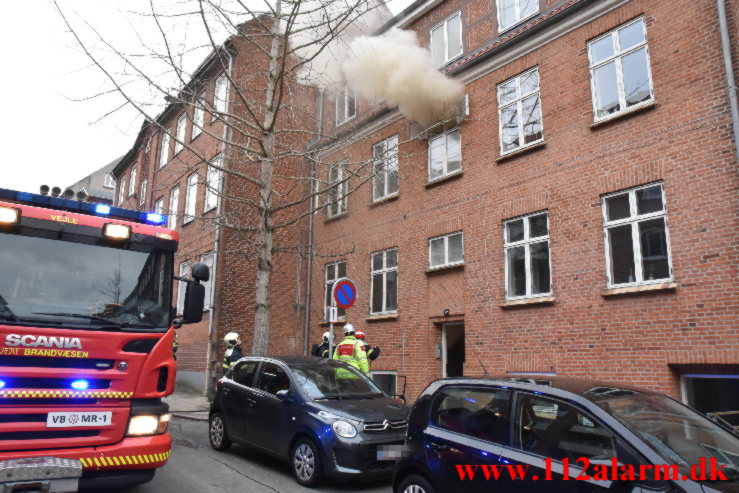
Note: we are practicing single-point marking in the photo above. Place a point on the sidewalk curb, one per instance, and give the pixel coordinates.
(190, 417)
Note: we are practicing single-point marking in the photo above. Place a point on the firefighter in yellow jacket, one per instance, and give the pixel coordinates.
(351, 351)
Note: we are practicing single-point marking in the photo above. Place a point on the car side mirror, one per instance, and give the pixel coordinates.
(194, 300)
(200, 272)
(282, 395)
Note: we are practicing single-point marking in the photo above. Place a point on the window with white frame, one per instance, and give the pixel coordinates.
(511, 12)
(164, 152)
(385, 177)
(446, 250)
(337, 199)
(619, 69)
(159, 206)
(132, 184)
(190, 197)
(181, 121)
(121, 191)
(142, 197)
(384, 292)
(148, 144)
(109, 181)
(446, 40)
(636, 236)
(346, 105)
(181, 287)
(174, 201)
(213, 184)
(334, 271)
(527, 264)
(198, 117)
(445, 154)
(207, 259)
(220, 95)
(519, 112)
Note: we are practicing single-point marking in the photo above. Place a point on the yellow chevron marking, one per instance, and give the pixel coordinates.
(96, 461)
(115, 459)
(83, 462)
(41, 394)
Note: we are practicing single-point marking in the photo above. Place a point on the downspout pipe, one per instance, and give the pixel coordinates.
(309, 274)
(211, 361)
(729, 68)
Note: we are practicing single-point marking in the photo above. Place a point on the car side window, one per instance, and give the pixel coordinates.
(273, 379)
(243, 373)
(482, 413)
(555, 429)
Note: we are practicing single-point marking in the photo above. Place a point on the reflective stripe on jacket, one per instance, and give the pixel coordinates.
(351, 351)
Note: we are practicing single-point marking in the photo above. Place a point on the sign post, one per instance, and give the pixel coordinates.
(344, 294)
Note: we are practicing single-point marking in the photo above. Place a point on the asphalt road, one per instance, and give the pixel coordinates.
(194, 467)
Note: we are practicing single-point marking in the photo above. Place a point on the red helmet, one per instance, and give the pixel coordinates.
(359, 333)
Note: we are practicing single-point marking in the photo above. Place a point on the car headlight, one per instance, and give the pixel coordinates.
(148, 425)
(344, 429)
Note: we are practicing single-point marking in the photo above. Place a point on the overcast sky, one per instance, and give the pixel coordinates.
(55, 131)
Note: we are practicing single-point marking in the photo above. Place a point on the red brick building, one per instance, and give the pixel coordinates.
(581, 220)
(170, 170)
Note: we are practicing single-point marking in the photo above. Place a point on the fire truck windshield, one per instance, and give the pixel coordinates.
(57, 283)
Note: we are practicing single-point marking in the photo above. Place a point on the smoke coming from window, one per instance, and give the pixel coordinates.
(393, 68)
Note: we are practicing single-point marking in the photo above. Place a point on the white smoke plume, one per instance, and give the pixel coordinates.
(393, 68)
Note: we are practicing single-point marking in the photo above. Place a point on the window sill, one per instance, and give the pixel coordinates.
(343, 122)
(504, 30)
(336, 217)
(382, 317)
(443, 268)
(524, 150)
(541, 300)
(443, 179)
(646, 288)
(325, 323)
(623, 114)
(188, 222)
(385, 200)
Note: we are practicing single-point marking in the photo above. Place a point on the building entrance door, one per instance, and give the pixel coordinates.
(452, 349)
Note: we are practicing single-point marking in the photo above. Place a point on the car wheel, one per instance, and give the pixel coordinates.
(415, 483)
(306, 462)
(217, 432)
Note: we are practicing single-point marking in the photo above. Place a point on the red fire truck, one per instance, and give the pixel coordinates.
(86, 334)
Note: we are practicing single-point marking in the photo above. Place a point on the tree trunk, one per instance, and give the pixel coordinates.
(263, 305)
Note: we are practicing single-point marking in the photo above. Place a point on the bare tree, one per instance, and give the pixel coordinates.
(272, 134)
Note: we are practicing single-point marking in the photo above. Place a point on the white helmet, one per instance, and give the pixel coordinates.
(326, 336)
(231, 338)
(348, 328)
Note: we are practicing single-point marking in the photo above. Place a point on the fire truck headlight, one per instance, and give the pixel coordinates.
(9, 215)
(147, 425)
(117, 231)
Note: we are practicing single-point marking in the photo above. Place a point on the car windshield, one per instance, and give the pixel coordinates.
(56, 283)
(333, 380)
(677, 433)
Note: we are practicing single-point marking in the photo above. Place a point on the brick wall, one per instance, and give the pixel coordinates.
(685, 141)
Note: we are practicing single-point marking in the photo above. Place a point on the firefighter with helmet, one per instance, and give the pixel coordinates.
(351, 351)
(233, 350)
(321, 350)
(372, 351)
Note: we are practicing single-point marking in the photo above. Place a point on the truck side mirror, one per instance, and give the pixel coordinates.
(200, 272)
(194, 299)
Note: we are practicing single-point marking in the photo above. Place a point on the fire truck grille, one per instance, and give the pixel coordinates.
(33, 362)
(47, 435)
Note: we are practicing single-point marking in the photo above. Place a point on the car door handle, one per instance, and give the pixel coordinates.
(439, 447)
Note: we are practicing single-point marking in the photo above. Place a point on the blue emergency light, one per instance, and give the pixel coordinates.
(2, 384)
(80, 384)
(82, 207)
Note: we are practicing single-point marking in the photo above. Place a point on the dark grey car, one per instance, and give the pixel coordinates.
(320, 415)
